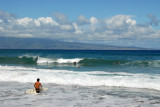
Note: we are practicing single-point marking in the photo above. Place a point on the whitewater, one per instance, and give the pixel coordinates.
(80, 78)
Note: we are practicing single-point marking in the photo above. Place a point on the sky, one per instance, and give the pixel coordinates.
(111, 22)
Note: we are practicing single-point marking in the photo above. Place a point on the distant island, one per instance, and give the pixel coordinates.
(37, 43)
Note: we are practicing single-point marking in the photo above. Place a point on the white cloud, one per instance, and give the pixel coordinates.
(37, 22)
(93, 22)
(66, 27)
(117, 28)
(1, 20)
(130, 21)
(119, 22)
(24, 21)
(47, 20)
(77, 28)
(25, 35)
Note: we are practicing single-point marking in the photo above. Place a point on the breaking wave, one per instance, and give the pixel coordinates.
(33, 60)
(68, 77)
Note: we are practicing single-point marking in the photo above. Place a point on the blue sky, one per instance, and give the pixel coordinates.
(112, 22)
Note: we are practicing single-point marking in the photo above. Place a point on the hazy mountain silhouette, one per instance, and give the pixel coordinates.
(37, 43)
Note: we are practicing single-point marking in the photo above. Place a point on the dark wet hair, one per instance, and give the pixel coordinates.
(38, 79)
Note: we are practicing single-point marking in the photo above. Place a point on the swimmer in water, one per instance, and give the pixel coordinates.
(37, 85)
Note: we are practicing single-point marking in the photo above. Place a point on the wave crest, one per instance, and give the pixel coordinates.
(60, 60)
(33, 60)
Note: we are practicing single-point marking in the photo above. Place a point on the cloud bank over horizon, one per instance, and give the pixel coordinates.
(116, 30)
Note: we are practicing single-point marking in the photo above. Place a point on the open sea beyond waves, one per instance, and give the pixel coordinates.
(80, 78)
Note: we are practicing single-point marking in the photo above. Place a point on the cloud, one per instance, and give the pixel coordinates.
(93, 22)
(37, 22)
(120, 22)
(114, 30)
(82, 20)
(154, 21)
(1, 21)
(48, 20)
(77, 29)
(24, 21)
(5, 17)
(66, 27)
(61, 18)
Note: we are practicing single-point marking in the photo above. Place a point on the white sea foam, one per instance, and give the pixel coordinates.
(60, 60)
(75, 96)
(45, 60)
(52, 60)
(66, 77)
(28, 56)
(155, 63)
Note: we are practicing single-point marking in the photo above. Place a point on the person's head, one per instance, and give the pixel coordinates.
(38, 79)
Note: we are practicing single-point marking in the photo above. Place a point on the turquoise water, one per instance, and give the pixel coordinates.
(120, 75)
(112, 61)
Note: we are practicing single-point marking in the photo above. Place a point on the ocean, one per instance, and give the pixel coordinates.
(80, 78)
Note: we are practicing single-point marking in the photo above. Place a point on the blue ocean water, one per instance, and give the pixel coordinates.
(93, 75)
(133, 61)
(100, 63)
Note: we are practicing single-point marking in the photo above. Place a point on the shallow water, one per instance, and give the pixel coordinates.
(76, 96)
